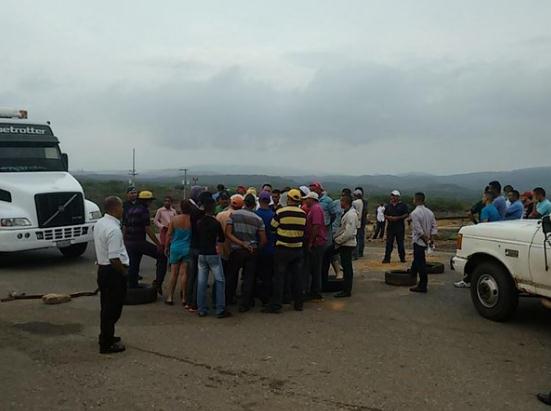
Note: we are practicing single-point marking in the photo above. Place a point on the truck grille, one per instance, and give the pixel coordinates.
(61, 233)
(59, 209)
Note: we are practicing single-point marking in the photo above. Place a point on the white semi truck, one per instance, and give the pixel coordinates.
(41, 204)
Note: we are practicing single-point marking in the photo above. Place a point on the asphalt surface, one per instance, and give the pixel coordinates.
(382, 349)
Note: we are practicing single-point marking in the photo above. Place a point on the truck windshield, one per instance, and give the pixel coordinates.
(27, 157)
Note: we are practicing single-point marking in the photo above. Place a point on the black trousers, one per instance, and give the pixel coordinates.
(391, 237)
(419, 265)
(264, 277)
(379, 230)
(287, 266)
(241, 259)
(193, 270)
(348, 272)
(312, 270)
(112, 288)
(136, 250)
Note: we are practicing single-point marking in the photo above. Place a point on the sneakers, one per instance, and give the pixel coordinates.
(224, 314)
(418, 290)
(462, 284)
(113, 348)
(386, 261)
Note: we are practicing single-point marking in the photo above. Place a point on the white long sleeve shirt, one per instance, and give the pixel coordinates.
(423, 223)
(346, 235)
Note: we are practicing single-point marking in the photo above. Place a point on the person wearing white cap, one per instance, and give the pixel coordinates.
(396, 213)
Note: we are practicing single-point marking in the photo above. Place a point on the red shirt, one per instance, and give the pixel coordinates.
(315, 217)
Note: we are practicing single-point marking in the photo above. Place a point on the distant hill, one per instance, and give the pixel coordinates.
(457, 186)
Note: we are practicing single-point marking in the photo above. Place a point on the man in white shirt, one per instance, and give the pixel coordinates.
(423, 227)
(113, 261)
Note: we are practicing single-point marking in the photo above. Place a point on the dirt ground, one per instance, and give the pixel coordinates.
(382, 349)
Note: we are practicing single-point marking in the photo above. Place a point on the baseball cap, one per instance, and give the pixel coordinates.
(304, 190)
(146, 195)
(131, 189)
(360, 193)
(264, 196)
(251, 190)
(236, 201)
(294, 194)
(316, 185)
(312, 194)
(395, 193)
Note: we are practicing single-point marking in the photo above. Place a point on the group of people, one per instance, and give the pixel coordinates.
(510, 204)
(282, 243)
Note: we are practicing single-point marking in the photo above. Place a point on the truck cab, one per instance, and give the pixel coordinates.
(505, 260)
(41, 204)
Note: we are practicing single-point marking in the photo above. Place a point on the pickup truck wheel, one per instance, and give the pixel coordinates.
(493, 292)
(74, 251)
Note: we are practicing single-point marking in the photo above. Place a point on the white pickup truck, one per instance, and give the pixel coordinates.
(505, 260)
(41, 204)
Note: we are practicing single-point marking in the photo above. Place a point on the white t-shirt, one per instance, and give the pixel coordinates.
(381, 214)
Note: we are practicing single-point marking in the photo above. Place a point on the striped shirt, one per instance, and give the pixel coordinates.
(245, 225)
(289, 224)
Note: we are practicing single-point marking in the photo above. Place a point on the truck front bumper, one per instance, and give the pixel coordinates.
(458, 264)
(35, 238)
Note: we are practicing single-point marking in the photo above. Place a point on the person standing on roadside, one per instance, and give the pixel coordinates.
(316, 241)
(360, 205)
(380, 227)
(177, 248)
(396, 213)
(211, 237)
(137, 227)
(236, 203)
(276, 195)
(345, 243)
(423, 228)
(289, 223)
(265, 257)
(244, 228)
(223, 203)
(162, 219)
(131, 201)
(113, 261)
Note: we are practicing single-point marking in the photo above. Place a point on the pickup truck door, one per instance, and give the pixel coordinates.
(540, 277)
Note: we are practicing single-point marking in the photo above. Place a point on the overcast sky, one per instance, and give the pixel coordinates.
(355, 87)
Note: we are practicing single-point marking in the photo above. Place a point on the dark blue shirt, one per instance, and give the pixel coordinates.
(266, 214)
(136, 220)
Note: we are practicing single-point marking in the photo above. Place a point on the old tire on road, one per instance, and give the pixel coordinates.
(74, 250)
(145, 294)
(400, 278)
(493, 292)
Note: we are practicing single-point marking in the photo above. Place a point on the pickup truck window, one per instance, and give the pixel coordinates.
(29, 157)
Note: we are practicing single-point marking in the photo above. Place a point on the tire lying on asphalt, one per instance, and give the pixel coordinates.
(493, 292)
(400, 277)
(144, 295)
(332, 285)
(435, 268)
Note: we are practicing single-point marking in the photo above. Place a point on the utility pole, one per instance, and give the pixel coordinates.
(132, 173)
(184, 183)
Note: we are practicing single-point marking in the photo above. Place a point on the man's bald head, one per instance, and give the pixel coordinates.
(113, 206)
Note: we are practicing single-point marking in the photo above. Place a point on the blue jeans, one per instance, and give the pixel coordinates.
(211, 263)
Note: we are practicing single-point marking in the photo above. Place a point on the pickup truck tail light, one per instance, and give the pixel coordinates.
(459, 241)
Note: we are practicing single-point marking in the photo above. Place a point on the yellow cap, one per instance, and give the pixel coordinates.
(294, 194)
(146, 195)
(251, 190)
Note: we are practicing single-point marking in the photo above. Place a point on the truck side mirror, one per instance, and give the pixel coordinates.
(65, 159)
(546, 224)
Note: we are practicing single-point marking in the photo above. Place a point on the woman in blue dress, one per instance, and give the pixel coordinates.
(178, 251)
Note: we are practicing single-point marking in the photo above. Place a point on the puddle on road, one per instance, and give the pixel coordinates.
(49, 329)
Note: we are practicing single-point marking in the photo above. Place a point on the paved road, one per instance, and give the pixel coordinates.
(383, 349)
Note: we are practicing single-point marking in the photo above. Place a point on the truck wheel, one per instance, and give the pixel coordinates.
(493, 292)
(74, 251)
